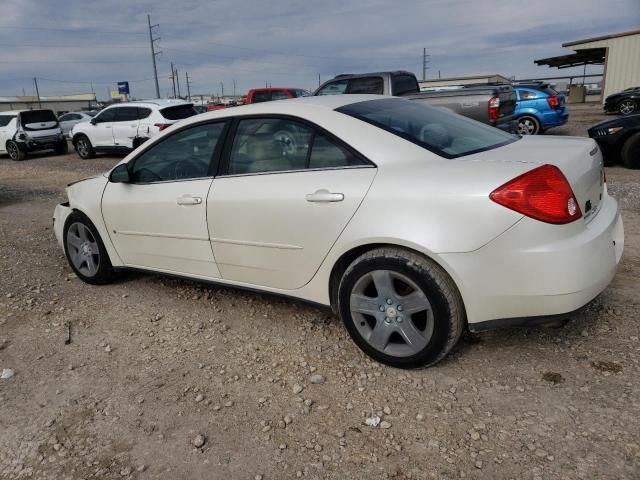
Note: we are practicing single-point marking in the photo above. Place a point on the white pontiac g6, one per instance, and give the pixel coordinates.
(412, 223)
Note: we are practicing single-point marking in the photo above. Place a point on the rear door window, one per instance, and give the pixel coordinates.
(366, 85)
(327, 154)
(5, 120)
(178, 112)
(126, 114)
(143, 113)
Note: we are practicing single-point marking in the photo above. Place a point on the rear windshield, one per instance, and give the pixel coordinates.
(178, 112)
(438, 130)
(33, 118)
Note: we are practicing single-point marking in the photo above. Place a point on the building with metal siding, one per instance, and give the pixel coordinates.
(65, 103)
(618, 52)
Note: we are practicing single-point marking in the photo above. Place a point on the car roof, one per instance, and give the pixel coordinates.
(371, 74)
(160, 102)
(275, 89)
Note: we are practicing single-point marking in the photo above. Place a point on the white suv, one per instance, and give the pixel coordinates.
(25, 131)
(125, 126)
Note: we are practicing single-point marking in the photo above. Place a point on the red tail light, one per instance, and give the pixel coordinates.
(553, 102)
(162, 126)
(494, 108)
(542, 193)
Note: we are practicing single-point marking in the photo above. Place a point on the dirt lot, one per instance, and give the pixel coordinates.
(155, 362)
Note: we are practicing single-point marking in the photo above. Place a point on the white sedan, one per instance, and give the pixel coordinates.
(412, 223)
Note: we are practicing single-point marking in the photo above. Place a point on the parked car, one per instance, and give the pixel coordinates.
(215, 106)
(624, 103)
(538, 108)
(26, 131)
(68, 120)
(200, 108)
(490, 104)
(619, 139)
(125, 126)
(413, 223)
(258, 95)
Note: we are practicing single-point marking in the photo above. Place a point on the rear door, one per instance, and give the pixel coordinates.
(125, 127)
(286, 193)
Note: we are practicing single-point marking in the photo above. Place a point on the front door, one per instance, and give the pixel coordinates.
(159, 220)
(288, 192)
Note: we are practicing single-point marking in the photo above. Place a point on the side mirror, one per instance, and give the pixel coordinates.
(93, 121)
(120, 174)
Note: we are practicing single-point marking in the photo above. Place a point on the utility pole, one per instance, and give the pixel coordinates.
(234, 87)
(318, 80)
(35, 82)
(178, 83)
(186, 74)
(173, 80)
(222, 89)
(152, 41)
(425, 61)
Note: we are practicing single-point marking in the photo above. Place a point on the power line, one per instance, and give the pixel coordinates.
(71, 30)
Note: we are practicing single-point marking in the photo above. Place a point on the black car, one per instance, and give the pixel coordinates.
(619, 139)
(625, 102)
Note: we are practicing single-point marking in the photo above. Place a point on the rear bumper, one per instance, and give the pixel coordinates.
(539, 270)
(555, 119)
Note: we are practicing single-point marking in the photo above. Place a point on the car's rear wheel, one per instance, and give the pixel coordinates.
(627, 107)
(400, 308)
(15, 152)
(85, 251)
(84, 148)
(630, 152)
(528, 126)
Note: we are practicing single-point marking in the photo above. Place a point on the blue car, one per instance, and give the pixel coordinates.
(538, 108)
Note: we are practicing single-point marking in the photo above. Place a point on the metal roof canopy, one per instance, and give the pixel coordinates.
(587, 56)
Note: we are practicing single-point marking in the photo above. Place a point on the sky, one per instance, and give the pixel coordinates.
(74, 46)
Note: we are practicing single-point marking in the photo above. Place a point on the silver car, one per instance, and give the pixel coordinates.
(68, 120)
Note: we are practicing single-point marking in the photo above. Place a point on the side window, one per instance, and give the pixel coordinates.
(269, 145)
(334, 88)
(4, 120)
(527, 94)
(126, 114)
(259, 97)
(107, 115)
(326, 154)
(368, 85)
(184, 155)
(279, 95)
(66, 118)
(405, 84)
(143, 113)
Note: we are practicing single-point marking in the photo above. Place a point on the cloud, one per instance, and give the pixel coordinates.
(75, 45)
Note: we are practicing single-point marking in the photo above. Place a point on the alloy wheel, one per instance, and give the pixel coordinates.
(82, 148)
(527, 126)
(391, 313)
(12, 150)
(627, 107)
(83, 249)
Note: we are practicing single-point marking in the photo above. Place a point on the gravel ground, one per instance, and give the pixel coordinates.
(168, 379)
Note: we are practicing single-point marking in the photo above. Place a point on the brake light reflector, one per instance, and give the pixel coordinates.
(553, 102)
(494, 108)
(162, 126)
(543, 194)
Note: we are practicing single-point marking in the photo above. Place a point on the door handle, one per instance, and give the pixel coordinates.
(189, 200)
(324, 196)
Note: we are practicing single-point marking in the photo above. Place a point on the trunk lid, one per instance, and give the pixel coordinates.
(579, 159)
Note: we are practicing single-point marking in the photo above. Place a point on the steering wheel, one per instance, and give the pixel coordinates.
(187, 168)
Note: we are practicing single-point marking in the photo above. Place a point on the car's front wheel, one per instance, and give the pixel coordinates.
(528, 126)
(84, 148)
(627, 107)
(630, 152)
(400, 308)
(85, 250)
(15, 152)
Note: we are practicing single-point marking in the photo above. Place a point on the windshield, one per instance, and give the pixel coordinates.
(436, 129)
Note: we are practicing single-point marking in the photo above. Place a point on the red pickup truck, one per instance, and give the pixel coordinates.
(258, 95)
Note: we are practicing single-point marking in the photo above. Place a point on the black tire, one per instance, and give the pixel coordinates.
(630, 153)
(104, 272)
(442, 327)
(15, 152)
(83, 146)
(627, 107)
(528, 125)
(62, 148)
